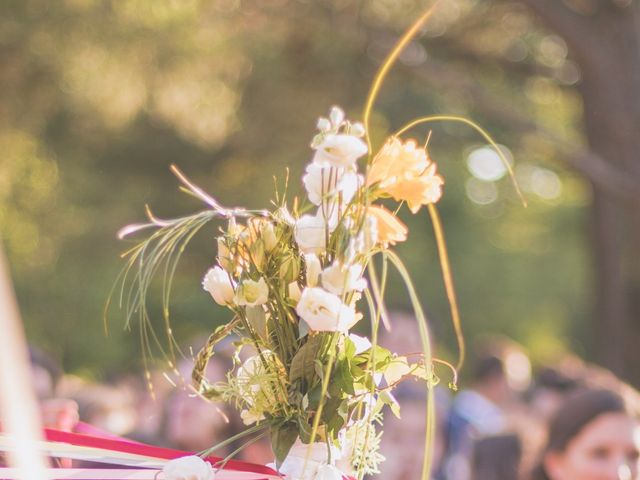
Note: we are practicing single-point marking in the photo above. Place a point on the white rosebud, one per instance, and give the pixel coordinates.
(294, 291)
(310, 233)
(323, 124)
(225, 259)
(269, 236)
(339, 150)
(219, 285)
(337, 116)
(313, 269)
(340, 279)
(324, 311)
(252, 293)
(188, 468)
(357, 129)
(328, 472)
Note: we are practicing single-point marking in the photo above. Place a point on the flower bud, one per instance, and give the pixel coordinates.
(219, 285)
(252, 293)
(336, 116)
(225, 259)
(289, 268)
(269, 236)
(323, 124)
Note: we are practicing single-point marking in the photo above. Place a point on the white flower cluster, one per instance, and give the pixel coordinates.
(331, 181)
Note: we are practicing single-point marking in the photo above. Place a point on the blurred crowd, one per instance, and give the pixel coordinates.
(564, 421)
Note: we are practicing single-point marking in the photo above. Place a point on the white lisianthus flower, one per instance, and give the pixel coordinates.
(325, 183)
(310, 233)
(340, 279)
(328, 472)
(252, 293)
(219, 285)
(308, 462)
(313, 269)
(320, 182)
(339, 150)
(188, 468)
(254, 381)
(324, 311)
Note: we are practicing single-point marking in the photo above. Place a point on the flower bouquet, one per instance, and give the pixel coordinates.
(295, 280)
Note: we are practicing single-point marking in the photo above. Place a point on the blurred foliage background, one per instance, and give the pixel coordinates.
(99, 97)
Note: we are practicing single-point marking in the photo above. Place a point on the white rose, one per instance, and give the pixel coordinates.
(188, 468)
(324, 311)
(328, 472)
(339, 150)
(313, 269)
(219, 285)
(310, 233)
(340, 279)
(297, 468)
(306, 462)
(325, 183)
(252, 380)
(252, 293)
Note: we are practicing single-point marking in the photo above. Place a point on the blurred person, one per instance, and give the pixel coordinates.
(398, 339)
(58, 413)
(403, 438)
(191, 422)
(595, 435)
(549, 390)
(111, 408)
(497, 458)
(500, 371)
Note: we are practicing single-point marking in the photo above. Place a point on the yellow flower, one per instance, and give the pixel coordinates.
(395, 160)
(419, 190)
(390, 230)
(405, 173)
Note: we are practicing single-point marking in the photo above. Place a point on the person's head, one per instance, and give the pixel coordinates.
(500, 369)
(497, 458)
(595, 435)
(45, 372)
(550, 388)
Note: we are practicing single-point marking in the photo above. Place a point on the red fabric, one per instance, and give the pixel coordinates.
(125, 446)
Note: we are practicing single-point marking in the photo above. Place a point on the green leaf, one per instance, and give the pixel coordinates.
(304, 429)
(396, 370)
(390, 400)
(303, 362)
(343, 378)
(282, 439)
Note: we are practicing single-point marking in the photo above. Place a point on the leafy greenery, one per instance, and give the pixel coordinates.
(96, 118)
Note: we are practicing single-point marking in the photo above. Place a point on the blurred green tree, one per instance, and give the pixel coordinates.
(99, 97)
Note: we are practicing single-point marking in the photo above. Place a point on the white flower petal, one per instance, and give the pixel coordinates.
(188, 468)
(219, 285)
